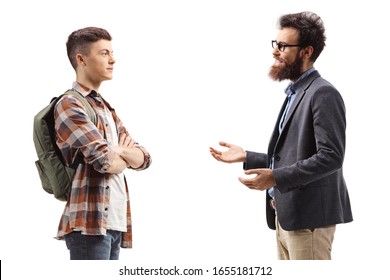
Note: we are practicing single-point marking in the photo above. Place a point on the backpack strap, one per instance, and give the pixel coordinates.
(90, 111)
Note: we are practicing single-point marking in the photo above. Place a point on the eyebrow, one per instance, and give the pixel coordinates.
(106, 50)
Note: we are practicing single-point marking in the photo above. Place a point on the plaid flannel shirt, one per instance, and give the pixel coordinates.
(86, 209)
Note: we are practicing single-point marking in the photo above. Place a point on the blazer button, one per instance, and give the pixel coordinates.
(277, 158)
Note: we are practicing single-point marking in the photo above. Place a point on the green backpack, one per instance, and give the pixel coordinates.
(56, 177)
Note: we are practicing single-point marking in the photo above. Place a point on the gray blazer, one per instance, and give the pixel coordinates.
(308, 155)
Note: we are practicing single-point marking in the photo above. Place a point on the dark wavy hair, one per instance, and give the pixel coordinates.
(79, 41)
(310, 28)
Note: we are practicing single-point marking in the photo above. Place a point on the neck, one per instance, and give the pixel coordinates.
(84, 78)
(92, 85)
(295, 80)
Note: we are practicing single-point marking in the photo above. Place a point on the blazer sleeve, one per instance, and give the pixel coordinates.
(255, 160)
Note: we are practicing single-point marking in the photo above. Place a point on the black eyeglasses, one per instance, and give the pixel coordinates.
(282, 46)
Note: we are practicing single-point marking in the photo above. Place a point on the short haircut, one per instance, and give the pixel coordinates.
(79, 41)
(310, 28)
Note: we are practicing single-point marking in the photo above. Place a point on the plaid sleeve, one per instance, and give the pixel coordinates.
(76, 131)
(147, 159)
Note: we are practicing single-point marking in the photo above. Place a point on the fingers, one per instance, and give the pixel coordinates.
(224, 144)
(215, 154)
(248, 183)
(251, 171)
(254, 182)
(125, 140)
(214, 151)
(233, 154)
(122, 138)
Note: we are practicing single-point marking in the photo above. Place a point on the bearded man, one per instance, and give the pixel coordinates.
(302, 172)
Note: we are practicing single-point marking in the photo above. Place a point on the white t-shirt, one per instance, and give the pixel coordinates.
(116, 219)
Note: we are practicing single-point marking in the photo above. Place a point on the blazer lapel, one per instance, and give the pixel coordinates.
(300, 93)
(275, 135)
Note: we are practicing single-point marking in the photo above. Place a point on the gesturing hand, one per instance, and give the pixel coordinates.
(233, 154)
(263, 180)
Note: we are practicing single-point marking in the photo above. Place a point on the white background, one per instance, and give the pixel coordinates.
(189, 74)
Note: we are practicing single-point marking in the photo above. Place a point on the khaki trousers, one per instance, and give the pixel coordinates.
(305, 244)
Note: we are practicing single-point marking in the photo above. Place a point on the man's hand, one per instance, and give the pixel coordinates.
(263, 180)
(129, 151)
(233, 154)
(125, 140)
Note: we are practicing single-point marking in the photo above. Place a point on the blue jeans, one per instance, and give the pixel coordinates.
(94, 247)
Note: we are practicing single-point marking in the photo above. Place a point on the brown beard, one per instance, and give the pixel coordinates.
(290, 71)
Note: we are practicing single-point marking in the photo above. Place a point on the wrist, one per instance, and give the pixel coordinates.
(242, 157)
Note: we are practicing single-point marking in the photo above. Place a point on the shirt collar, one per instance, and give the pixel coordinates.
(84, 90)
(292, 87)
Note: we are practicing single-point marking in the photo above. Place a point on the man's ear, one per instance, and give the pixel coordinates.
(307, 52)
(80, 59)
